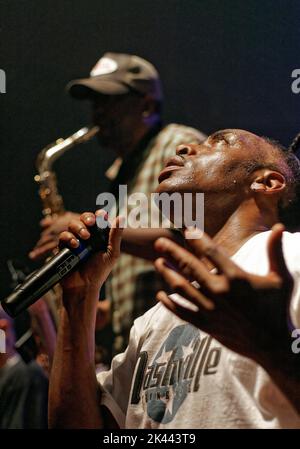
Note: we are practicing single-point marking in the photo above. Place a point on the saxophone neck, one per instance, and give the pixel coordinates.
(51, 152)
(46, 177)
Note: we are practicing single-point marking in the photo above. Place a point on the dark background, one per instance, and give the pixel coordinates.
(223, 63)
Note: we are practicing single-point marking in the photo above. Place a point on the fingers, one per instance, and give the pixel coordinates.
(182, 312)
(276, 259)
(42, 251)
(115, 236)
(88, 218)
(69, 239)
(45, 245)
(182, 286)
(275, 252)
(49, 238)
(185, 262)
(80, 227)
(46, 238)
(115, 233)
(77, 229)
(47, 221)
(206, 247)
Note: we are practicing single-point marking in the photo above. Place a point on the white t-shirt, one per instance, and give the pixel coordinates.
(174, 375)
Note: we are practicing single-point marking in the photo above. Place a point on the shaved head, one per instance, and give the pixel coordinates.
(233, 167)
(265, 153)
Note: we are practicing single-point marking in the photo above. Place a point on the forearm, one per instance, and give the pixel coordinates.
(47, 333)
(140, 242)
(74, 397)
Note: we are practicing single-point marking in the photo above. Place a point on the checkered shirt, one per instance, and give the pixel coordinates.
(133, 282)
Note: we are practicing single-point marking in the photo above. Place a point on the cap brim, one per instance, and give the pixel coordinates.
(84, 88)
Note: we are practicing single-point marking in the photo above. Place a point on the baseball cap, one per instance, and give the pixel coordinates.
(117, 74)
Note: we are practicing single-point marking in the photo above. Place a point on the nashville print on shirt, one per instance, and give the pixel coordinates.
(175, 372)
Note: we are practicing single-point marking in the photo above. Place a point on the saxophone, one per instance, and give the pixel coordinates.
(52, 201)
(46, 178)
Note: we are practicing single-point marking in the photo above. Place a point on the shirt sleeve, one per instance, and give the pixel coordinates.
(294, 318)
(291, 249)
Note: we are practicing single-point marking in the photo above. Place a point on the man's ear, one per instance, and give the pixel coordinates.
(268, 182)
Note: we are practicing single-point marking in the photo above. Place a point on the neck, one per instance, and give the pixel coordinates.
(241, 225)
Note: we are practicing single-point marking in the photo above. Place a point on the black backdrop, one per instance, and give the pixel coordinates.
(224, 63)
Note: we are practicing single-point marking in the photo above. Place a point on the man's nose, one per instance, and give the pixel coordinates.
(186, 149)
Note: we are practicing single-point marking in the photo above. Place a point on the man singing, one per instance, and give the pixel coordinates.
(218, 352)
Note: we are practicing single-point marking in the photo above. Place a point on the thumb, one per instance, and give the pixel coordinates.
(115, 236)
(275, 252)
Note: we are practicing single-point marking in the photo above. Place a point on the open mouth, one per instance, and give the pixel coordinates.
(172, 164)
(166, 172)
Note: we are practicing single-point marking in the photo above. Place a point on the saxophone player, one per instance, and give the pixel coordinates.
(125, 95)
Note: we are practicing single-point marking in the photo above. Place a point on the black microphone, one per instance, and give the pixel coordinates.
(43, 279)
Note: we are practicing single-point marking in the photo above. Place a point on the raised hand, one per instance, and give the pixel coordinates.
(245, 312)
(52, 227)
(93, 273)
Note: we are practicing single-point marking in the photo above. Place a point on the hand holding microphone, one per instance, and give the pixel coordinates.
(93, 273)
(86, 248)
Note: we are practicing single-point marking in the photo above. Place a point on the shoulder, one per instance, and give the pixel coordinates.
(291, 241)
(146, 322)
(290, 246)
(291, 250)
(253, 255)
